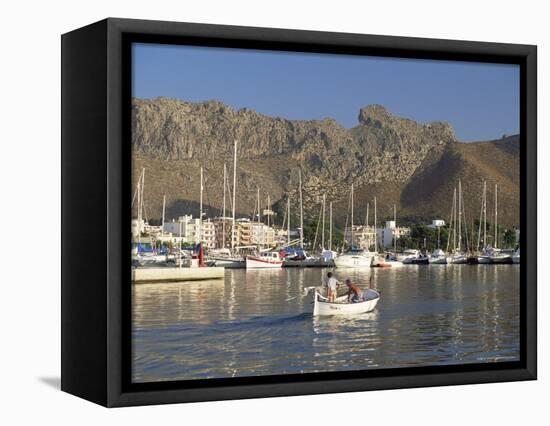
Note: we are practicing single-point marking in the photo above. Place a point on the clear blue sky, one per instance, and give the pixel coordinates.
(481, 101)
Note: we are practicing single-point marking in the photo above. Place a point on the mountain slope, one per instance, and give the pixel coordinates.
(397, 160)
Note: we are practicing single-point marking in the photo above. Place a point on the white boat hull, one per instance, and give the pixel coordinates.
(439, 260)
(257, 263)
(457, 259)
(149, 259)
(229, 263)
(394, 263)
(353, 261)
(501, 259)
(321, 307)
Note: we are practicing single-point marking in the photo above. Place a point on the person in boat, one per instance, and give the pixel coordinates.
(354, 292)
(332, 286)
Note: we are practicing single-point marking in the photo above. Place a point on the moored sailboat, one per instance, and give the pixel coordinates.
(355, 257)
(497, 256)
(438, 257)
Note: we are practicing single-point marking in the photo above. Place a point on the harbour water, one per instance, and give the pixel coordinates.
(254, 322)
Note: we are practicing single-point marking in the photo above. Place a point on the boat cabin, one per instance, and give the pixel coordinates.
(269, 255)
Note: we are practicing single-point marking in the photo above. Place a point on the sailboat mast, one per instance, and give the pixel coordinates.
(330, 227)
(485, 213)
(395, 230)
(268, 210)
(301, 209)
(234, 194)
(139, 212)
(163, 213)
(496, 215)
(375, 233)
(223, 208)
(459, 215)
(142, 201)
(288, 220)
(352, 215)
(258, 203)
(454, 220)
(323, 231)
(200, 211)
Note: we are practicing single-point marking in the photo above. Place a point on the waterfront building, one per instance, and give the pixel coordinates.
(244, 232)
(187, 228)
(363, 236)
(208, 234)
(221, 224)
(262, 235)
(387, 234)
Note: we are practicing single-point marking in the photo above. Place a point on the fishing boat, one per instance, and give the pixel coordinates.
(265, 260)
(321, 305)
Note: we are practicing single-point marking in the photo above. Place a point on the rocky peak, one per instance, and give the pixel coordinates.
(374, 114)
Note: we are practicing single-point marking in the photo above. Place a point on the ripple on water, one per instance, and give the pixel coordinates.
(246, 325)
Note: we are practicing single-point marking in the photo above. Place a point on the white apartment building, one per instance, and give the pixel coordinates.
(365, 237)
(189, 229)
(261, 234)
(387, 234)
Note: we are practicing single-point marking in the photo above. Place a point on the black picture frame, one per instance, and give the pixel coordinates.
(96, 95)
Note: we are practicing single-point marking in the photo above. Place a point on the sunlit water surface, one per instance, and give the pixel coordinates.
(255, 323)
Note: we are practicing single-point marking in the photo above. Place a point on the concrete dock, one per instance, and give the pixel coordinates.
(160, 275)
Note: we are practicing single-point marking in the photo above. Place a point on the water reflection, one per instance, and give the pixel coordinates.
(253, 323)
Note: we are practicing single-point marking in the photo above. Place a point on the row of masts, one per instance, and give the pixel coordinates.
(458, 218)
(352, 208)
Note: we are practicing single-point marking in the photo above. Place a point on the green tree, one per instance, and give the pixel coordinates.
(509, 238)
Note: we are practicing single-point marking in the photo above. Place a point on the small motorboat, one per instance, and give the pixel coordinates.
(321, 305)
(407, 256)
(421, 259)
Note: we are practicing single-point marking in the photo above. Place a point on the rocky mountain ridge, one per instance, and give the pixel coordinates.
(397, 159)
